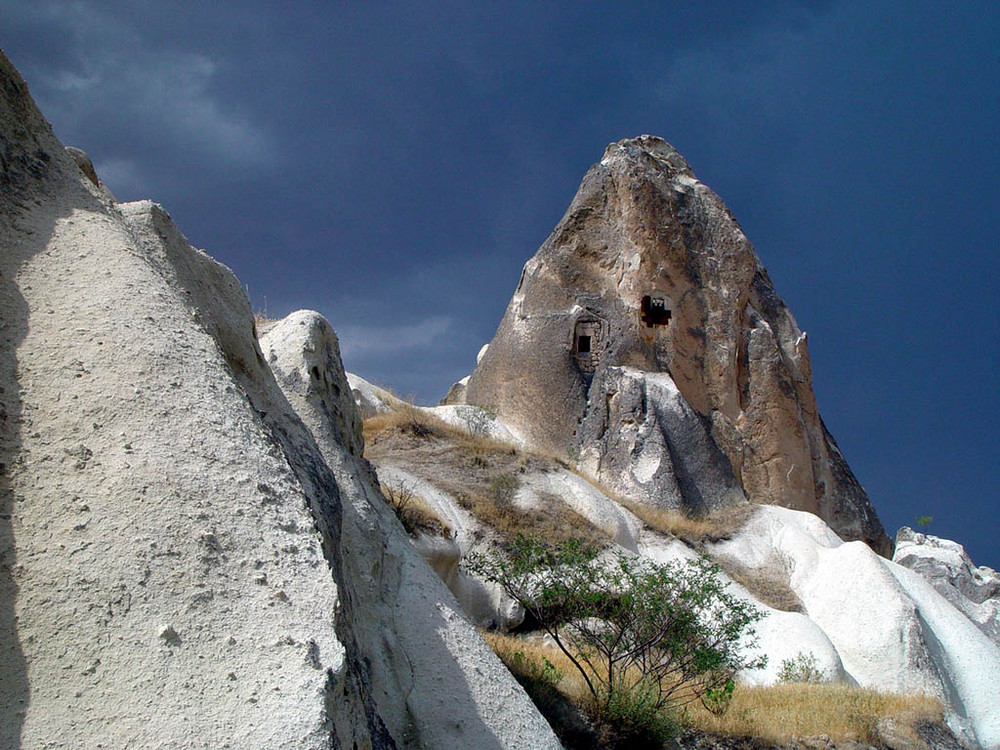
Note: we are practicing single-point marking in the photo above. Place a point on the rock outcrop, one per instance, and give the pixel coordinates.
(646, 328)
(974, 590)
(185, 561)
(872, 621)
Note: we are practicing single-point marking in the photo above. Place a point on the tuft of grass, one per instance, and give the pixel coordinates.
(769, 582)
(413, 511)
(404, 419)
(719, 525)
(262, 323)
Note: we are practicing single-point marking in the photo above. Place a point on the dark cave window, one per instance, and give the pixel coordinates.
(583, 345)
(654, 311)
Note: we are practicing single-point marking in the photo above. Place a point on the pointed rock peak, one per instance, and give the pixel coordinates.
(645, 338)
(649, 149)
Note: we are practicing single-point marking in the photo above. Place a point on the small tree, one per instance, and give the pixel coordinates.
(662, 634)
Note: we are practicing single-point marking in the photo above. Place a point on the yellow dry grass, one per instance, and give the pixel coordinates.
(413, 511)
(409, 419)
(841, 712)
(769, 582)
(774, 714)
(570, 684)
(470, 468)
(718, 525)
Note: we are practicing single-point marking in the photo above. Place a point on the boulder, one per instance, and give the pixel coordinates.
(648, 272)
(456, 394)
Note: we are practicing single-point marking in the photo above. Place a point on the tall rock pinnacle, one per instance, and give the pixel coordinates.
(645, 337)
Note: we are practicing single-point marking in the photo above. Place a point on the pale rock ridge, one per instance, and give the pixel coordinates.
(975, 591)
(890, 630)
(648, 270)
(141, 552)
(173, 541)
(369, 398)
(437, 683)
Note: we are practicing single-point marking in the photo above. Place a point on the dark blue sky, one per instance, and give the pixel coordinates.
(393, 165)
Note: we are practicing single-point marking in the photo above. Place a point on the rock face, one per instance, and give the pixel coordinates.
(975, 591)
(185, 561)
(647, 312)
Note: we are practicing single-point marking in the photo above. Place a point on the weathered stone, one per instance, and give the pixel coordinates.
(649, 271)
(456, 394)
(975, 591)
(84, 163)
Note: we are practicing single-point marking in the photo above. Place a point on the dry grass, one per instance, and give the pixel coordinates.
(770, 582)
(408, 420)
(482, 474)
(555, 522)
(717, 526)
(413, 511)
(773, 714)
(262, 323)
(843, 713)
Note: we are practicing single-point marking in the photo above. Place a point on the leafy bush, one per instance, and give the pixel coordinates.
(643, 636)
(802, 667)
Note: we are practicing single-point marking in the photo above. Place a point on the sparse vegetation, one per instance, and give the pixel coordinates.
(800, 668)
(503, 489)
(768, 582)
(477, 418)
(771, 714)
(717, 526)
(644, 637)
(842, 712)
(483, 475)
(408, 420)
(416, 516)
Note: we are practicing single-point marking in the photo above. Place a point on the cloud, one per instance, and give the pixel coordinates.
(106, 78)
(359, 342)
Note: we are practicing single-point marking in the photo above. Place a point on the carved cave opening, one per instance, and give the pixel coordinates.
(654, 311)
(589, 336)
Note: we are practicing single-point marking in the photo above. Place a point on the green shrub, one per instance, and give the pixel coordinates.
(802, 667)
(643, 636)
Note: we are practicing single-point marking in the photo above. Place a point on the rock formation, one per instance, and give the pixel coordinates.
(646, 338)
(975, 591)
(185, 561)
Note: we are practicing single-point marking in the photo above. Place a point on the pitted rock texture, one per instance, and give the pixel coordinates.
(648, 270)
(184, 561)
